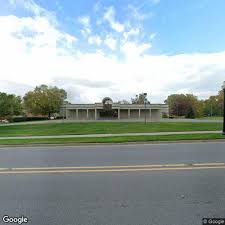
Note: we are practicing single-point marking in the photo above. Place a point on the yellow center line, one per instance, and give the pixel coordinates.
(208, 164)
(112, 170)
(96, 169)
(115, 167)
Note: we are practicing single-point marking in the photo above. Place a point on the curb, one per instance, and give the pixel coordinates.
(108, 135)
(118, 143)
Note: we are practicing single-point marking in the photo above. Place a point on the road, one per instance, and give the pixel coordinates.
(144, 184)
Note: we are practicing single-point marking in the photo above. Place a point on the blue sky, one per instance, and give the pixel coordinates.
(181, 26)
(117, 48)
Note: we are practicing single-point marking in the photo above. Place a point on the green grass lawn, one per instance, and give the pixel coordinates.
(122, 139)
(212, 118)
(104, 128)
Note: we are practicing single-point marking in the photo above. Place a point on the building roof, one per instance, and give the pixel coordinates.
(115, 105)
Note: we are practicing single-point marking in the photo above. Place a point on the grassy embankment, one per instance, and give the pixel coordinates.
(107, 128)
(104, 128)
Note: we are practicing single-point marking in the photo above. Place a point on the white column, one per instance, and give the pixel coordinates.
(150, 114)
(77, 115)
(128, 113)
(95, 114)
(118, 114)
(139, 114)
(67, 114)
(87, 114)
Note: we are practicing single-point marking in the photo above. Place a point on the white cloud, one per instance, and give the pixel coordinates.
(152, 36)
(35, 51)
(33, 8)
(95, 40)
(84, 20)
(131, 33)
(85, 32)
(110, 17)
(29, 48)
(117, 26)
(27, 31)
(133, 50)
(110, 42)
(135, 13)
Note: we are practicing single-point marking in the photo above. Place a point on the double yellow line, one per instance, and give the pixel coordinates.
(102, 169)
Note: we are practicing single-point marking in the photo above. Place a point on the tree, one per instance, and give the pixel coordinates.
(44, 100)
(214, 105)
(179, 104)
(200, 108)
(10, 105)
(190, 113)
(139, 99)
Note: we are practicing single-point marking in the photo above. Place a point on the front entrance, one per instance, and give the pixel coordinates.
(108, 114)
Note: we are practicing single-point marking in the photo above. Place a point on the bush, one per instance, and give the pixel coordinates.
(24, 119)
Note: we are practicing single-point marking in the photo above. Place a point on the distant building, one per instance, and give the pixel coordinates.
(108, 110)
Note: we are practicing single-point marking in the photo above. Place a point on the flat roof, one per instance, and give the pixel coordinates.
(115, 106)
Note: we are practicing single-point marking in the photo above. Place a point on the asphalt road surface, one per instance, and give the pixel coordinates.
(144, 184)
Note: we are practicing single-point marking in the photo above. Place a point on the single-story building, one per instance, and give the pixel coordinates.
(108, 110)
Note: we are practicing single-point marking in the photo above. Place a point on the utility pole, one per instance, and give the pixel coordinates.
(221, 109)
(223, 87)
(145, 101)
(211, 109)
(63, 112)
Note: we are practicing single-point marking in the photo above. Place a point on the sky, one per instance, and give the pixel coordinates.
(114, 48)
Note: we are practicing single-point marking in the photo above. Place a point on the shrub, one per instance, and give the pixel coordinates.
(24, 119)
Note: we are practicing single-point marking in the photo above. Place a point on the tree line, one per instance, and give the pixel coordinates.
(45, 100)
(190, 106)
(187, 105)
